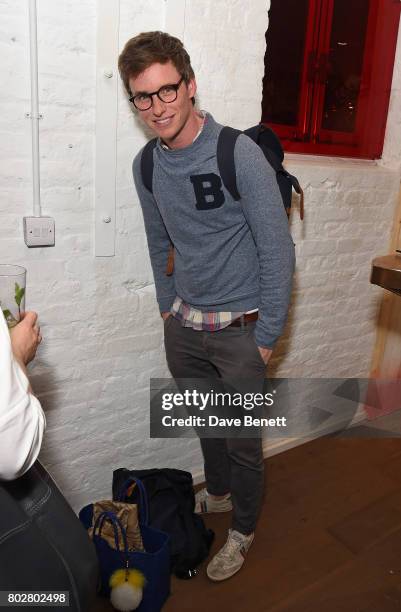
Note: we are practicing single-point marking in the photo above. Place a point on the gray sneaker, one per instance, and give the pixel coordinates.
(205, 504)
(231, 557)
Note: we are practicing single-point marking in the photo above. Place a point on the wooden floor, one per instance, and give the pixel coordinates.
(328, 540)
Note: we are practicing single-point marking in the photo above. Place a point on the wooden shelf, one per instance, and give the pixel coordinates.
(386, 272)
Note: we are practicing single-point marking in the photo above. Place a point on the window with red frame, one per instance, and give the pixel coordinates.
(328, 72)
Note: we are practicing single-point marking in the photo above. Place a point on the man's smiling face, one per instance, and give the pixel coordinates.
(174, 122)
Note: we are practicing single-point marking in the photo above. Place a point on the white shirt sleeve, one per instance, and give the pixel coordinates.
(22, 421)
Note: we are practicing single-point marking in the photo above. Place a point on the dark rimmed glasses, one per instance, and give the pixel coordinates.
(166, 93)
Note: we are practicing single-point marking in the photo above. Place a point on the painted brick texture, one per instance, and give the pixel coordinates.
(102, 331)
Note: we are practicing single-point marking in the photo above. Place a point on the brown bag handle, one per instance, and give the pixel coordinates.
(301, 203)
(170, 261)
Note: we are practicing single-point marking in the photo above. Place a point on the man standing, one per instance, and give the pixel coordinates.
(226, 303)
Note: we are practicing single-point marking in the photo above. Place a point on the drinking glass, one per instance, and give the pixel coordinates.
(12, 292)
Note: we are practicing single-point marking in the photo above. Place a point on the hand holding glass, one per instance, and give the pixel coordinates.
(12, 292)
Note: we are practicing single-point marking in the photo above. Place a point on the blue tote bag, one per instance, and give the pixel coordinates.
(153, 562)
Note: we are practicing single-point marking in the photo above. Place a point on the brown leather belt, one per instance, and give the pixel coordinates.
(244, 319)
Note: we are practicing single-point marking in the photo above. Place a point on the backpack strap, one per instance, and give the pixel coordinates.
(147, 164)
(170, 260)
(225, 155)
(298, 189)
(147, 179)
(273, 151)
(225, 159)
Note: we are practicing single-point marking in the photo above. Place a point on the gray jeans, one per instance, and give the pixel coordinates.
(231, 465)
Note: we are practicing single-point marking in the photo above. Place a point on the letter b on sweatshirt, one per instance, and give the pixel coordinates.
(208, 191)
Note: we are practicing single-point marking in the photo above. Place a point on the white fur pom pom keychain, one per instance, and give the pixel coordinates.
(126, 589)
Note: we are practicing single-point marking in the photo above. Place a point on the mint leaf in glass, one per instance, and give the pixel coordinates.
(19, 294)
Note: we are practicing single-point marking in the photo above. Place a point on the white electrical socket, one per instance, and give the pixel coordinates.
(39, 231)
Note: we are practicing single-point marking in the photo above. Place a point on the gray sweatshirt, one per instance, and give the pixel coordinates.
(229, 256)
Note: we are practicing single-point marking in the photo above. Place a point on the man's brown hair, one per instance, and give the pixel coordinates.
(149, 48)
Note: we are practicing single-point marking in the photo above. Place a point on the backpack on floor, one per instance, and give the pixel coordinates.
(171, 509)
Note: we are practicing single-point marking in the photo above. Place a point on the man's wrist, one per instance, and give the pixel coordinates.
(18, 358)
(265, 353)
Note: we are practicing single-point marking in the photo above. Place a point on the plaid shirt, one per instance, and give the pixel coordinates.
(201, 321)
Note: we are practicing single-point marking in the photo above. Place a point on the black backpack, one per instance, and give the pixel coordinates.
(264, 137)
(271, 147)
(171, 509)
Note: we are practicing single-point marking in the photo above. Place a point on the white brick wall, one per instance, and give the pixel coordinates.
(102, 332)
(332, 322)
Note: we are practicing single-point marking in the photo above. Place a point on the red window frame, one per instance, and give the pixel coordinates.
(367, 139)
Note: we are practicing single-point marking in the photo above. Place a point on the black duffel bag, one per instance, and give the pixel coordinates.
(171, 509)
(43, 546)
